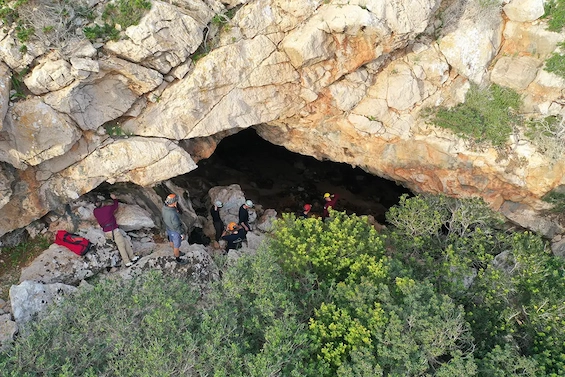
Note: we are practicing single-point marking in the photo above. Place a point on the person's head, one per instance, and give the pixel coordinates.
(307, 207)
(231, 226)
(249, 204)
(327, 196)
(103, 202)
(171, 200)
(218, 204)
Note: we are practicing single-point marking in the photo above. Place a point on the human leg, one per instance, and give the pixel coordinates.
(120, 243)
(175, 242)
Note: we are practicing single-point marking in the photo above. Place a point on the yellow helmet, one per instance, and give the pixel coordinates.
(327, 195)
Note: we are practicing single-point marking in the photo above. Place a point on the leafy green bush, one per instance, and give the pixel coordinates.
(125, 12)
(555, 13)
(556, 64)
(329, 298)
(487, 115)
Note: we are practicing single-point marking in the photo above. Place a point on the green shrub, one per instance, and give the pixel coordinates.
(487, 115)
(18, 85)
(101, 32)
(555, 13)
(125, 12)
(556, 64)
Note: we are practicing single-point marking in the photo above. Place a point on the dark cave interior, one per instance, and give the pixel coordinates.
(274, 177)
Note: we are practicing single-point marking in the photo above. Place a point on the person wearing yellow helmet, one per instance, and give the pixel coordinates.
(329, 202)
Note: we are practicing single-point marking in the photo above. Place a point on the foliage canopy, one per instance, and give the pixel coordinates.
(455, 296)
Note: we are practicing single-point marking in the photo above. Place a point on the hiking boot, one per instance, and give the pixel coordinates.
(136, 258)
(181, 254)
(129, 264)
(181, 261)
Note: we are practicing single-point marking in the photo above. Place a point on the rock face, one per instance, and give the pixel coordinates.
(30, 298)
(341, 80)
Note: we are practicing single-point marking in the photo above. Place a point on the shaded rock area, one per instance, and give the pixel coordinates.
(284, 181)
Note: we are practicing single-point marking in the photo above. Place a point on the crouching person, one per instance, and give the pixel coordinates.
(104, 213)
(234, 235)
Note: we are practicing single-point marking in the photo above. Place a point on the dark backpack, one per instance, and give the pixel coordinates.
(75, 243)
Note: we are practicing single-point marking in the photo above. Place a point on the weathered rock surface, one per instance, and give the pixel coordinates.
(58, 264)
(165, 37)
(35, 133)
(340, 80)
(30, 298)
(48, 76)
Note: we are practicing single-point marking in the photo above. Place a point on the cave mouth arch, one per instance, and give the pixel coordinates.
(283, 180)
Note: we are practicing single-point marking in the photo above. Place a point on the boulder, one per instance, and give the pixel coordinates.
(133, 217)
(140, 79)
(474, 43)
(49, 75)
(14, 55)
(233, 198)
(36, 133)
(58, 264)
(265, 222)
(524, 10)
(30, 298)
(515, 72)
(201, 269)
(94, 102)
(8, 330)
(165, 37)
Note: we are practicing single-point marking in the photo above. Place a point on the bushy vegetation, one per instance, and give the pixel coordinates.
(555, 14)
(445, 292)
(124, 13)
(548, 135)
(488, 115)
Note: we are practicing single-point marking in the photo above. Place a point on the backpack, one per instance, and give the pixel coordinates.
(75, 243)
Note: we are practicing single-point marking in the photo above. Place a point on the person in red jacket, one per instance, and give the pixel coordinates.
(329, 202)
(104, 213)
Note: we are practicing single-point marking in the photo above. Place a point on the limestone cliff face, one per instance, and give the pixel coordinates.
(344, 80)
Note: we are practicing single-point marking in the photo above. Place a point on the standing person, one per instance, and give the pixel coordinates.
(305, 211)
(104, 214)
(216, 219)
(329, 202)
(175, 227)
(244, 215)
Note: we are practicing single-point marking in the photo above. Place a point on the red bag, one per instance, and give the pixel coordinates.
(75, 243)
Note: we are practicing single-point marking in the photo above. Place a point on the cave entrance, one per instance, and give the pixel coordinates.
(277, 178)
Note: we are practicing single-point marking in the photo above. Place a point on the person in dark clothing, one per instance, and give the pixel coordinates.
(175, 227)
(104, 214)
(329, 202)
(305, 213)
(234, 235)
(244, 215)
(216, 219)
